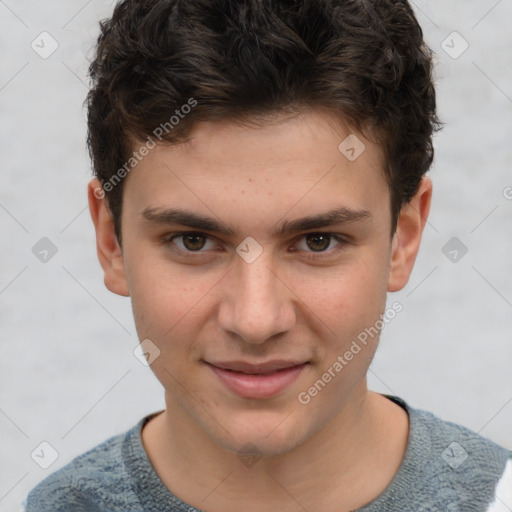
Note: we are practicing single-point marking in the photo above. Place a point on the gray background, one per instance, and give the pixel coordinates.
(67, 372)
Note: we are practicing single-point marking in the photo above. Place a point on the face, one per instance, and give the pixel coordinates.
(254, 257)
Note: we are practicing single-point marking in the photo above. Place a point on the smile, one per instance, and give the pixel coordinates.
(257, 381)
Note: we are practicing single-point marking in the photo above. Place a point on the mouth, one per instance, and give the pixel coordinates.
(257, 381)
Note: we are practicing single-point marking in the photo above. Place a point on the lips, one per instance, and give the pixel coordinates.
(260, 368)
(257, 381)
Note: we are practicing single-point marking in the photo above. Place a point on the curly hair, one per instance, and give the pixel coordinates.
(365, 60)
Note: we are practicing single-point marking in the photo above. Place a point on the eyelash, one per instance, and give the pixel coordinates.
(343, 242)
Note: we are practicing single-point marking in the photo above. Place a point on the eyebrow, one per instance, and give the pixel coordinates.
(200, 222)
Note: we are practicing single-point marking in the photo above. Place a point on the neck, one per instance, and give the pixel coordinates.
(341, 467)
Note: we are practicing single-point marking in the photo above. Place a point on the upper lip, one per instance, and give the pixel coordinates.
(252, 368)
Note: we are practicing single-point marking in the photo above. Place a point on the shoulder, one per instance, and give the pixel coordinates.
(453, 463)
(457, 445)
(96, 480)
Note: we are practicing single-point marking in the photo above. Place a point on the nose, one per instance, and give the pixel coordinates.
(258, 303)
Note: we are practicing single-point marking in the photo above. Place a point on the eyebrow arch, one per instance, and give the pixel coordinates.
(186, 218)
(200, 222)
(338, 216)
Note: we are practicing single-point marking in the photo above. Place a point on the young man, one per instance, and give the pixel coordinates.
(260, 187)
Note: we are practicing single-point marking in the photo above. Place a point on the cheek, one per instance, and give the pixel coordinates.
(167, 317)
(169, 306)
(347, 299)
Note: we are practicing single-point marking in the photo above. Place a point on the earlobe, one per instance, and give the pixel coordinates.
(107, 246)
(406, 242)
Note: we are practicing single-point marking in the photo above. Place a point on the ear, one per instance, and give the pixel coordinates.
(406, 242)
(109, 251)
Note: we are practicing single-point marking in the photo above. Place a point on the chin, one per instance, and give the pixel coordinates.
(265, 434)
(248, 445)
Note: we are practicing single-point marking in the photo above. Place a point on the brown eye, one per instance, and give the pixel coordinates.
(194, 241)
(190, 244)
(318, 241)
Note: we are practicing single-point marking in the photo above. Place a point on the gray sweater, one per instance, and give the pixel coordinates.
(446, 468)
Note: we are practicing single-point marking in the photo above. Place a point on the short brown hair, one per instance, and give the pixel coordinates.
(363, 59)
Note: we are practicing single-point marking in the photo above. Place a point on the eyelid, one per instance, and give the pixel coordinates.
(342, 240)
(169, 239)
(342, 243)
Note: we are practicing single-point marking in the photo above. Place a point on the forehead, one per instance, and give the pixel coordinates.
(259, 172)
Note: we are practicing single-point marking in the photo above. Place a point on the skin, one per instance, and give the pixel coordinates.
(294, 302)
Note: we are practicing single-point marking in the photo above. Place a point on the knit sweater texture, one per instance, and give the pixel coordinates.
(446, 467)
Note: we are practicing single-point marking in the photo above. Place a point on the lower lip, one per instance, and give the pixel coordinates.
(258, 385)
